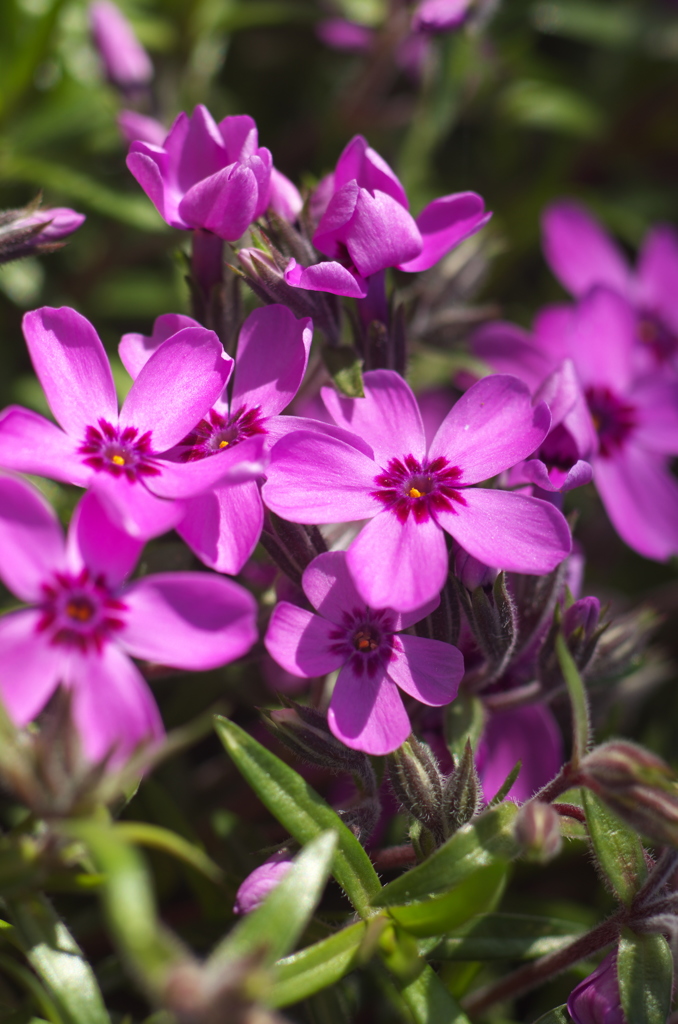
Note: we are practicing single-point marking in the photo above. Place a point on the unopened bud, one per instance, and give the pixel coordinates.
(637, 785)
(493, 620)
(29, 231)
(596, 999)
(291, 545)
(306, 732)
(621, 647)
(537, 829)
(261, 881)
(417, 783)
(126, 63)
(463, 792)
(581, 628)
(471, 572)
(444, 622)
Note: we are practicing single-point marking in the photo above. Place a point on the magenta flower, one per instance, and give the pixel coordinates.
(138, 127)
(223, 525)
(629, 422)
(366, 226)
(596, 999)
(529, 734)
(342, 34)
(212, 176)
(440, 15)
(413, 492)
(124, 456)
(373, 657)
(261, 881)
(126, 62)
(83, 623)
(582, 255)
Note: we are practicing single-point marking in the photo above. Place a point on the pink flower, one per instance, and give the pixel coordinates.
(596, 999)
(529, 734)
(84, 623)
(223, 525)
(366, 226)
(440, 15)
(382, 469)
(124, 456)
(211, 176)
(125, 60)
(373, 657)
(342, 34)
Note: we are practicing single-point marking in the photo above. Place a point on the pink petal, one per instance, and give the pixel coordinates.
(508, 530)
(368, 714)
(363, 164)
(302, 642)
(326, 277)
(230, 466)
(491, 427)
(112, 705)
(579, 251)
(191, 620)
(198, 151)
(508, 348)
(134, 509)
(138, 127)
(381, 234)
(429, 670)
(656, 403)
(176, 387)
(603, 339)
(641, 498)
(223, 527)
(31, 444)
(528, 734)
(239, 134)
(388, 417)
(72, 367)
(136, 349)
(444, 223)
(552, 328)
(657, 286)
(554, 480)
(285, 199)
(148, 164)
(315, 478)
(224, 203)
(99, 544)
(273, 349)
(330, 588)
(278, 427)
(31, 667)
(31, 539)
(398, 565)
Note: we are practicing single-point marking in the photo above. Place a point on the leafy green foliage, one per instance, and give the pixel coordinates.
(645, 970)
(617, 848)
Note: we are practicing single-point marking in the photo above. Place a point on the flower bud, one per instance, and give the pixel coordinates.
(306, 732)
(291, 545)
(463, 792)
(493, 620)
(596, 1000)
(135, 126)
(29, 231)
(417, 783)
(125, 61)
(537, 829)
(471, 572)
(261, 881)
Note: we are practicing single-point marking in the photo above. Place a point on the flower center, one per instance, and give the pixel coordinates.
(365, 640)
(420, 488)
(119, 452)
(656, 335)
(613, 418)
(217, 432)
(80, 612)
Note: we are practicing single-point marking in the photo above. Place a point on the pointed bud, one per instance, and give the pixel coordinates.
(596, 999)
(582, 630)
(622, 645)
(493, 620)
(256, 887)
(444, 622)
(30, 232)
(462, 796)
(537, 828)
(291, 545)
(417, 783)
(305, 731)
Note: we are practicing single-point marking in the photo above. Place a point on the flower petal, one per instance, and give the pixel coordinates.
(136, 349)
(656, 402)
(388, 417)
(444, 223)
(429, 670)
(31, 444)
(508, 530)
(657, 286)
(381, 234)
(100, 544)
(191, 620)
(284, 198)
(72, 367)
(302, 642)
(554, 480)
(176, 387)
(491, 427)
(368, 714)
(359, 162)
(603, 339)
(315, 478)
(272, 354)
(579, 251)
(224, 203)
(230, 466)
(134, 508)
(223, 526)
(528, 734)
(31, 667)
(330, 588)
(398, 565)
(31, 539)
(326, 277)
(508, 348)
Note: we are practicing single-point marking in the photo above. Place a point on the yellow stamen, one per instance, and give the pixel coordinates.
(119, 460)
(363, 645)
(223, 444)
(414, 493)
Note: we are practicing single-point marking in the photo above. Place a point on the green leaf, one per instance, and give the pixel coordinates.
(484, 841)
(57, 960)
(28, 981)
(613, 25)
(464, 719)
(581, 726)
(301, 811)
(318, 966)
(143, 834)
(505, 787)
(260, 13)
(506, 937)
(618, 849)
(476, 895)
(429, 1002)
(345, 368)
(280, 920)
(558, 1015)
(557, 108)
(645, 971)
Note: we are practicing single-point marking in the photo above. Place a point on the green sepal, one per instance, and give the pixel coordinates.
(478, 894)
(581, 725)
(618, 850)
(645, 972)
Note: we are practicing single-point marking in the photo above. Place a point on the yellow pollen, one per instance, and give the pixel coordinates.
(79, 610)
(119, 460)
(597, 422)
(363, 645)
(223, 444)
(414, 493)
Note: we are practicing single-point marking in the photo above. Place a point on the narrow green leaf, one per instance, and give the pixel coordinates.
(28, 981)
(429, 1002)
(618, 849)
(558, 1015)
(476, 895)
(57, 960)
(143, 834)
(301, 811)
(506, 784)
(506, 937)
(645, 971)
(484, 841)
(280, 920)
(464, 719)
(581, 727)
(316, 967)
